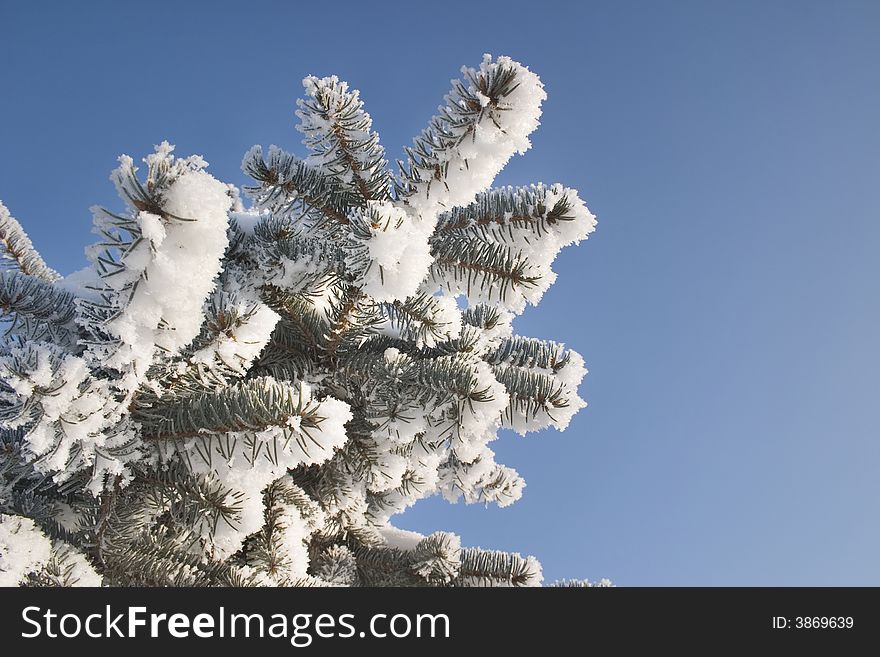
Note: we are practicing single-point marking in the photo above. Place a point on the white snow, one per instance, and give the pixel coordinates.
(238, 347)
(295, 536)
(77, 568)
(12, 231)
(332, 120)
(281, 448)
(74, 409)
(397, 252)
(479, 422)
(175, 275)
(497, 135)
(448, 317)
(246, 220)
(23, 548)
(403, 539)
(570, 376)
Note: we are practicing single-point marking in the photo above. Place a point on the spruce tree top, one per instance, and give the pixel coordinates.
(246, 394)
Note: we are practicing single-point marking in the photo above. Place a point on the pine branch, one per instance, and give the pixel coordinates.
(494, 269)
(483, 316)
(269, 548)
(435, 381)
(482, 480)
(480, 98)
(531, 392)
(286, 182)
(383, 566)
(16, 246)
(190, 501)
(292, 352)
(66, 568)
(336, 564)
(37, 308)
(252, 405)
(306, 261)
(161, 561)
(418, 319)
(494, 568)
(360, 455)
(349, 317)
(500, 214)
(434, 561)
(339, 133)
(531, 353)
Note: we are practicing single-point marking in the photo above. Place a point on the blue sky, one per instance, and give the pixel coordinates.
(727, 306)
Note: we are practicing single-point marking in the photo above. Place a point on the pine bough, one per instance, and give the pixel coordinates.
(233, 395)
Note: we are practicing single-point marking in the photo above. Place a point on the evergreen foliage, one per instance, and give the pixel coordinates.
(246, 395)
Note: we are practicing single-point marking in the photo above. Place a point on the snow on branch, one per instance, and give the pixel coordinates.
(235, 332)
(487, 118)
(158, 262)
(288, 185)
(340, 135)
(530, 224)
(235, 395)
(16, 249)
(291, 258)
(28, 556)
(389, 252)
(72, 420)
(23, 548)
(542, 378)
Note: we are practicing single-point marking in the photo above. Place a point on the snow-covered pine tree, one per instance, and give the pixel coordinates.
(232, 395)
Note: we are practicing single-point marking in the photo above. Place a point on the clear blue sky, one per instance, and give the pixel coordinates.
(727, 307)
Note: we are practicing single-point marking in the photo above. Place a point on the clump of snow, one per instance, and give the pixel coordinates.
(402, 539)
(246, 220)
(295, 536)
(481, 480)
(574, 371)
(387, 472)
(176, 274)
(239, 345)
(420, 480)
(391, 354)
(152, 228)
(169, 267)
(23, 549)
(394, 258)
(401, 429)
(84, 284)
(249, 461)
(542, 252)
